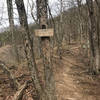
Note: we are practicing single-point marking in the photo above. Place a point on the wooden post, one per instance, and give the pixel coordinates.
(42, 14)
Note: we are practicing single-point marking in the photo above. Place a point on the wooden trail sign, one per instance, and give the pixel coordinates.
(44, 32)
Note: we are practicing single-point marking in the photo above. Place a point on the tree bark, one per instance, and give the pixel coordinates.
(42, 13)
(94, 42)
(11, 22)
(10, 13)
(28, 45)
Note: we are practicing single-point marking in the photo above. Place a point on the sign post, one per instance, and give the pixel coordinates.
(44, 33)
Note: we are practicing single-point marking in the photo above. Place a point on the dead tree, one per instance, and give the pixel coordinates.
(42, 15)
(28, 45)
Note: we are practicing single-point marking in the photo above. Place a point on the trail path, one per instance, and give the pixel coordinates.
(73, 82)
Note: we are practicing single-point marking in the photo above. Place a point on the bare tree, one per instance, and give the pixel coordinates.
(11, 22)
(42, 15)
(94, 41)
(28, 45)
(10, 14)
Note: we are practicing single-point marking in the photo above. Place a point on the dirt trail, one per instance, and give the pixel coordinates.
(73, 83)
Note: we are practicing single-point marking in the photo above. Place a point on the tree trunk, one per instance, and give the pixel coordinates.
(42, 13)
(28, 45)
(94, 42)
(11, 22)
(98, 35)
(10, 13)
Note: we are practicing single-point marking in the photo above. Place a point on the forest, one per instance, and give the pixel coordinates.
(50, 50)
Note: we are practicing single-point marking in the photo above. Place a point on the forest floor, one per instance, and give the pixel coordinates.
(73, 82)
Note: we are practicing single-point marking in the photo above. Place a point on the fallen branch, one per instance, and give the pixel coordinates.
(19, 93)
(13, 82)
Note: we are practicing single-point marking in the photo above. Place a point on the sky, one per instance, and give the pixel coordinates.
(4, 15)
(54, 5)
